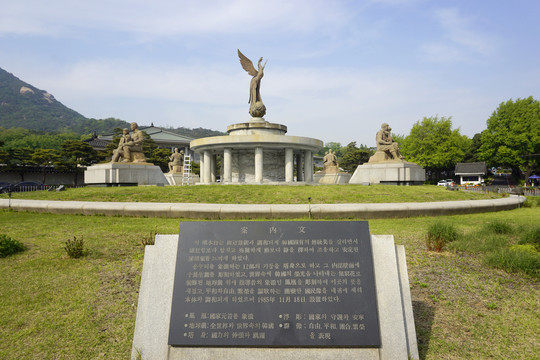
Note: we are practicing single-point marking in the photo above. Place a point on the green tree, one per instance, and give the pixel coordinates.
(512, 137)
(9, 135)
(149, 145)
(20, 156)
(473, 152)
(77, 152)
(353, 156)
(46, 156)
(20, 138)
(365, 153)
(160, 157)
(335, 146)
(434, 145)
(398, 138)
(196, 168)
(4, 156)
(117, 134)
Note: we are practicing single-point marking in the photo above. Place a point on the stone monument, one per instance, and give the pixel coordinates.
(118, 153)
(387, 148)
(387, 165)
(130, 146)
(128, 165)
(330, 173)
(275, 290)
(176, 162)
(175, 176)
(330, 163)
(256, 151)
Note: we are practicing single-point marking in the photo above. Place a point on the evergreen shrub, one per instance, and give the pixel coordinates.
(74, 248)
(9, 246)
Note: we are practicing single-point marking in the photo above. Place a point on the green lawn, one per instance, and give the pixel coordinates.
(259, 194)
(54, 307)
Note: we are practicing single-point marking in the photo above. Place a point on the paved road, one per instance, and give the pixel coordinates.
(503, 180)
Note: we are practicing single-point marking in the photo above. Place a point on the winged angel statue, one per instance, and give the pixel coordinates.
(256, 107)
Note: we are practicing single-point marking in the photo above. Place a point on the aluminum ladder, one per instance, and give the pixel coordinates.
(187, 178)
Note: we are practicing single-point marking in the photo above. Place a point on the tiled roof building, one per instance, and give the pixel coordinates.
(471, 173)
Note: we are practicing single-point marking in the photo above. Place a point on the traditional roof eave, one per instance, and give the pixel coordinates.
(475, 168)
(160, 136)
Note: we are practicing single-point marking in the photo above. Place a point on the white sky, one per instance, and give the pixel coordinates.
(336, 69)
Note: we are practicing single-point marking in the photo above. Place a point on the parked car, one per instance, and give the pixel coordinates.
(5, 187)
(28, 186)
(446, 182)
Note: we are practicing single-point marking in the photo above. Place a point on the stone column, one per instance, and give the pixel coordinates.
(207, 167)
(308, 166)
(213, 166)
(201, 167)
(289, 165)
(299, 170)
(258, 165)
(227, 165)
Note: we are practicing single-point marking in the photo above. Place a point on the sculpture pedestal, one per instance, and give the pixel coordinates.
(379, 156)
(177, 169)
(118, 174)
(178, 179)
(336, 178)
(389, 173)
(256, 152)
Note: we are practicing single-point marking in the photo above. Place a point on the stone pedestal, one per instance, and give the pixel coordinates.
(178, 179)
(173, 178)
(379, 156)
(389, 173)
(394, 305)
(335, 178)
(177, 169)
(331, 169)
(117, 174)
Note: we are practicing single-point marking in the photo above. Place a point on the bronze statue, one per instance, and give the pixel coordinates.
(256, 107)
(130, 147)
(118, 153)
(177, 161)
(330, 163)
(386, 144)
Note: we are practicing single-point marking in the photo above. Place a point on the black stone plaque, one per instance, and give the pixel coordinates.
(274, 283)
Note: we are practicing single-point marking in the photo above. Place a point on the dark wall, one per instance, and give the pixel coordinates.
(46, 177)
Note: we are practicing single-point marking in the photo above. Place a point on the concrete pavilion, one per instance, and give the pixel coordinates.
(256, 152)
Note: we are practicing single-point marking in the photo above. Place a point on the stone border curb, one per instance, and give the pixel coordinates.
(265, 211)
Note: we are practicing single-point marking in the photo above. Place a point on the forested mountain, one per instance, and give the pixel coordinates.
(25, 106)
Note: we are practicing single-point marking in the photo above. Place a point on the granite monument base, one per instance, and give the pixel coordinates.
(336, 178)
(116, 174)
(389, 173)
(394, 306)
(177, 179)
(177, 169)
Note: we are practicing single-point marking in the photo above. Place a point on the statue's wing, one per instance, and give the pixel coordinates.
(247, 64)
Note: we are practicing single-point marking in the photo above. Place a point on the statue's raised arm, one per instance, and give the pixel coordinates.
(256, 106)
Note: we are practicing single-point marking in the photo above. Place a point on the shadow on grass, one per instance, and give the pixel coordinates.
(423, 321)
